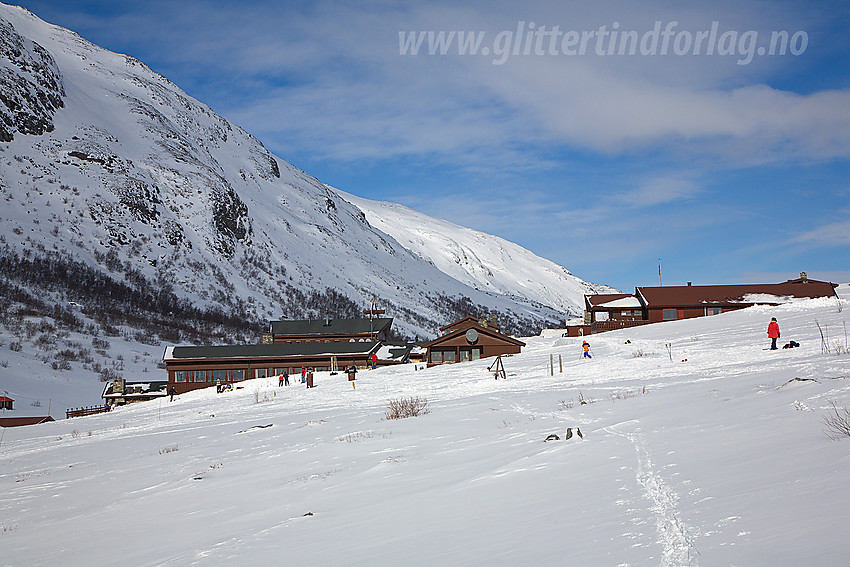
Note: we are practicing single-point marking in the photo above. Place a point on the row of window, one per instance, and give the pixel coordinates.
(671, 314)
(298, 342)
(465, 354)
(228, 375)
(237, 374)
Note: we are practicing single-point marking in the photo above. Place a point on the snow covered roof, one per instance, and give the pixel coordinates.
(628, 302)
(602, 298)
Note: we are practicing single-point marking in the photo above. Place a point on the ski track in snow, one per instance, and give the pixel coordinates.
(674, 533)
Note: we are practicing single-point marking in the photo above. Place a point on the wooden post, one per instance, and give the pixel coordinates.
(560, 364)
(551, 364)
(498, 369)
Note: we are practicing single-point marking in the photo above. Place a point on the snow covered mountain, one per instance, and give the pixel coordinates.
(105, 162)
(480, 260)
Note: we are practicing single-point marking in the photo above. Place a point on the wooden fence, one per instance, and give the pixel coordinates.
(614, 324)
(91, 410)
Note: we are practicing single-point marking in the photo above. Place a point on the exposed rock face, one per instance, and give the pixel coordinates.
(30, 85)
(230, 217)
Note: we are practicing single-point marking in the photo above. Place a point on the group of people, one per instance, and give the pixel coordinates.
(283, 379)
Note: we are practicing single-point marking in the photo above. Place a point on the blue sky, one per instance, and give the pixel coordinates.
(725, 161)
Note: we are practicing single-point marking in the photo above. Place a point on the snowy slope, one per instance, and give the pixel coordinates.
(112, 164)
(713, 452)
(478, 259)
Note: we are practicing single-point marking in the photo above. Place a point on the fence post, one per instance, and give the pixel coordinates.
(551, 365)
(560, 364)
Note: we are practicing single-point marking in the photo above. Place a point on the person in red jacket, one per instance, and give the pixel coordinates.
(773, 332)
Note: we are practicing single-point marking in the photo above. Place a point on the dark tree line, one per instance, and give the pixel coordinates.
(136, 302)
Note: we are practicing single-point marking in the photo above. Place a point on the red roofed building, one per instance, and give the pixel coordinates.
(670, 303)
(21, 421)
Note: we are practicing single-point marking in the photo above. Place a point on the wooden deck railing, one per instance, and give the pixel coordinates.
(614, 324)
(91, 410)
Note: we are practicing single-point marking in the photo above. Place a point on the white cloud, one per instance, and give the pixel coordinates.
(328, 77)
(827, 235)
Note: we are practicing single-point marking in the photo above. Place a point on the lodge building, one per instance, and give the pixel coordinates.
(608, 312)
(321, 345)
(470, 338)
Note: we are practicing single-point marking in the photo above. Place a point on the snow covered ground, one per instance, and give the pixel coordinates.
(699, 447)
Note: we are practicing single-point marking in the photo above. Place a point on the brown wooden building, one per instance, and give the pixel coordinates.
(470, 339)
(670, 303)
(22, 421)
(194, 367)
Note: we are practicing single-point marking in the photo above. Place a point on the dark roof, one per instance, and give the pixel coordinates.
(467, 322)
(269, 350)
(699, 295)
(329, 326)
(483, 330)
(19, 421)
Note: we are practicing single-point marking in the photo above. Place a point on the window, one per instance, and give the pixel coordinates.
(261, 372)
(279, 371)
(179, 375)
(464, 355)
(238, 374)
(436, 356)
(219, 375)
(476, 353)
(713, 310)
(448, 356)
(200, 376)
(669, 314)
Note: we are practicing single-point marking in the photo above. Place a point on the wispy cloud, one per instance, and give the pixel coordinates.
(660, 191)
(828, 235)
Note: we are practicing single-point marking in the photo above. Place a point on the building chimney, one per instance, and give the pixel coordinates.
(689, 284)
(804, 277)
